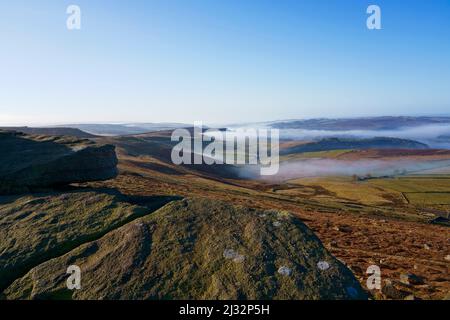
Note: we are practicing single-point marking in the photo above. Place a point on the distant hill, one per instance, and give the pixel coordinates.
(54, 131)
(125, 129)
(445, 138)
(373, 123)
(358, 144)
(159, 146)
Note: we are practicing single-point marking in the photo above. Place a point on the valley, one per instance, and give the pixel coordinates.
(395, 217)
(391, 219)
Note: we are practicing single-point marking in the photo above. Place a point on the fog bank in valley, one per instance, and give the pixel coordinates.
(429, 134)
(330, 167)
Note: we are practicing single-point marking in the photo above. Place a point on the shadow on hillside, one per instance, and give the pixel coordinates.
(143, 201)
(19, 151)
(149, 202)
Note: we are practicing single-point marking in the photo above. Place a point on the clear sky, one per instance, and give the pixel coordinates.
(221, 61)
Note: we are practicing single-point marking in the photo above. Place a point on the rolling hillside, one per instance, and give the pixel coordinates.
(359, 144)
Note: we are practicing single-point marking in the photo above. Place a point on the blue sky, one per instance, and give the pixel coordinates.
(221, 61)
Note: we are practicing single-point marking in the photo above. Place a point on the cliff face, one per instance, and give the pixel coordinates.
(29, 162)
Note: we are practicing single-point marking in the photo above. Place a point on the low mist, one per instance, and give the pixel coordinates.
(428, 134)
(330, 167)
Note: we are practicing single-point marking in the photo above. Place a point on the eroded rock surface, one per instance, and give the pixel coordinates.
(188, 250)
(36, 228)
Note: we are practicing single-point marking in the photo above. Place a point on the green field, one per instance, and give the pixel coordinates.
(346, 188)
(429, 198)
(415, 184)
(415, 190)
(331, 154)
(426, 190)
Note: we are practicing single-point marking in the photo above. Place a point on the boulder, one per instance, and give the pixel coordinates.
(38, 227)
(390, 291)
(30, 162)
(198, 249)
(343, 228)
(410, 278)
